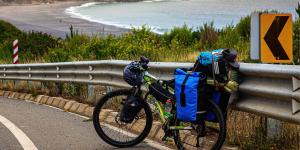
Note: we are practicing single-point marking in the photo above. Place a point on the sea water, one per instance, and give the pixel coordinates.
(163, 15)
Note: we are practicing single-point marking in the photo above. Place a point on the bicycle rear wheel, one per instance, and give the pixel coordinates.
(106, 119)
(211, 135)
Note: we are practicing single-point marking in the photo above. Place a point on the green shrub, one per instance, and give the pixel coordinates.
(296, 41)
(183, 36)
(298, 10)
(71, 49)
(57, 55)
(243, 27)
(140, 41)
(37, 43)
(102, 48)
(208, 36)
(228, 37)
(75, 42)
(8, 32)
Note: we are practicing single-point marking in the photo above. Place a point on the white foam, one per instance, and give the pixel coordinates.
(73, 12)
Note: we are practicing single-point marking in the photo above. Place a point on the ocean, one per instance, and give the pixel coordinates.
(162, 15)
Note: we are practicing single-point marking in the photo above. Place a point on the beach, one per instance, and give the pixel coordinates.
(52, 19)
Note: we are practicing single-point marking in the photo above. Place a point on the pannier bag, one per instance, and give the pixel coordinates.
(160, 93)
(191, 100)
(216, 97)
(221, 99)
(131, 108)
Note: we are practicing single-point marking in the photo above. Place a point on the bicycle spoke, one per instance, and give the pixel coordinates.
(112, 129)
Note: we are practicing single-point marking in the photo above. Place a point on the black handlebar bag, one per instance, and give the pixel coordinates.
(131, 108)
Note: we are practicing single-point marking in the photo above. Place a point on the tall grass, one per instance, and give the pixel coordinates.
(249, 131)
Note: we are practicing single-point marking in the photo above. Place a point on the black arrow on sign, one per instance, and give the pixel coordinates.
(272, 35)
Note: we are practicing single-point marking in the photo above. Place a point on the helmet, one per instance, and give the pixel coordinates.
(132, 74)
(230, 55)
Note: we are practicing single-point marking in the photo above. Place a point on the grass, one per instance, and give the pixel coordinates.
(248, 131)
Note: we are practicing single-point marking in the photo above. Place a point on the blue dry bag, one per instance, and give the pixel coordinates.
(189, 88)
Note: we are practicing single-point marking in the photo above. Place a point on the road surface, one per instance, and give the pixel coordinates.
(24, 124)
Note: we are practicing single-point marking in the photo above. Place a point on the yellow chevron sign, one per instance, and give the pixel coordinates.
(276, 38)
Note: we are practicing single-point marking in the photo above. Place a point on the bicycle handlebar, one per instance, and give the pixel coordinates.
(144, 62)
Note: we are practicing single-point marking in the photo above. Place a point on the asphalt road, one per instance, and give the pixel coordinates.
(48, 128)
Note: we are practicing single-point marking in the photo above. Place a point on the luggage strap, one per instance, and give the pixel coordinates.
(182, 94)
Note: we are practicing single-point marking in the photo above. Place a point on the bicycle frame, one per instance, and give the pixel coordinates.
(148, 79)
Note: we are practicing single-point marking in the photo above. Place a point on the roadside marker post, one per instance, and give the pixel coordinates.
(16, 57)
(15, 52)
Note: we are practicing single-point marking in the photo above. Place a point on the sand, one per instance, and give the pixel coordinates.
(51, 19)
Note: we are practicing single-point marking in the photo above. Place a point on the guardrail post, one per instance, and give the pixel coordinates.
(1, 84)
(91, 94)
(29, 85)
(273, 128)
(4, 86)
(109, 89)
(17, 85)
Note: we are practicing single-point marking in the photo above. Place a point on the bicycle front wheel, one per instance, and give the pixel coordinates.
(210, 135)
(106, 119)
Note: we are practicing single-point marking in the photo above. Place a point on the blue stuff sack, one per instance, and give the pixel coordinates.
(212, 64)
(188, 93)
(206, 58)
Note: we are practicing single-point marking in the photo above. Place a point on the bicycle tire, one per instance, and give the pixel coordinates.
(109, 140)
(222, 132)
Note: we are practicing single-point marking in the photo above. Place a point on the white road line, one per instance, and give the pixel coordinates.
(25, 142)
(149, 142)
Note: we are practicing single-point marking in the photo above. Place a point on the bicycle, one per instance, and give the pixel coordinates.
(186, 135)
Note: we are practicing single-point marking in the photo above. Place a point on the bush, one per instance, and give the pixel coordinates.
(296, 41)
(103, 48)
(140, 41)
(183, 36)
(243, 27)
(298, 10)
(228, 37)
(57, 55)
(37, 43)
(8, 32)
(208, 36)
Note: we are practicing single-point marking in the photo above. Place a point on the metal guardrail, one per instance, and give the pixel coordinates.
(270, 90)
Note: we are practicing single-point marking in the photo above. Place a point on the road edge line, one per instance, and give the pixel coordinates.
(24, 140)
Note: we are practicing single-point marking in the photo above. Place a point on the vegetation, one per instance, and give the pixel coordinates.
(180, 44)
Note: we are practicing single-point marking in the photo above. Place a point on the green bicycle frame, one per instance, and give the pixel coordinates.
(148, 79)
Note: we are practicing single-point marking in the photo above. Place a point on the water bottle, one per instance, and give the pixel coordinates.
(168, 108)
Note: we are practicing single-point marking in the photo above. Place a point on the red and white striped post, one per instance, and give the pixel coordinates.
(16, 49)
